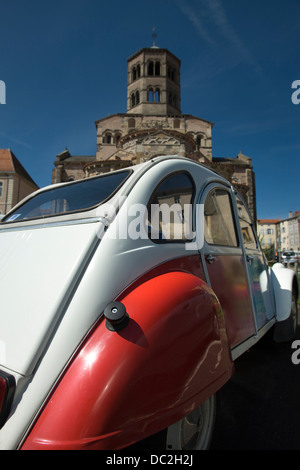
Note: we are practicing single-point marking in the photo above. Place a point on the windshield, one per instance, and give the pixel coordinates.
(74, 197)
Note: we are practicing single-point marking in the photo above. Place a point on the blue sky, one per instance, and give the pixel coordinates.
(64, 66)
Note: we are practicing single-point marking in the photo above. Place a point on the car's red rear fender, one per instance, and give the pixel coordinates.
(123, 386)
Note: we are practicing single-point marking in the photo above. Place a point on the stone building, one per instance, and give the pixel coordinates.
(283, 234)
(154, 125)
(269, 232)
(15, 182)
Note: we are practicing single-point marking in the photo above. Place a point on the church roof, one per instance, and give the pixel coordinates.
(132, 115)
(10, 164)
(151, 50)
(65, 155)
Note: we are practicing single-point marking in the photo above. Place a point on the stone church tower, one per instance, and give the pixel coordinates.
(154, 125)
(153, 83)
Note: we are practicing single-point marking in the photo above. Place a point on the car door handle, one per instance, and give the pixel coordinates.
(210, 258)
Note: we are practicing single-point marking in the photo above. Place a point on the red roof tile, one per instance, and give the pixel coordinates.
(10, 164)
(268, 221)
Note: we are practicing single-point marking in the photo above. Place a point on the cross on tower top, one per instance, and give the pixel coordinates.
(154, 36)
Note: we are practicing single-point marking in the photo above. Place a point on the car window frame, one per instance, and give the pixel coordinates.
(66, 213)
(193, 198)
(251, 223)
(217, 246)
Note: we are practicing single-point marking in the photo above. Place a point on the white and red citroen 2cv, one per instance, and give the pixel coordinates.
(125, 300)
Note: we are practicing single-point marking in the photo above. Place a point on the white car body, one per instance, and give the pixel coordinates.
(58, 274)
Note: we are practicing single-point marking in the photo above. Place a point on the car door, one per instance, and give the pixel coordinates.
(225, 263)
(257, 268)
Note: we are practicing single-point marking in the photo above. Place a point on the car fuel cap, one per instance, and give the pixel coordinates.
(116, 316)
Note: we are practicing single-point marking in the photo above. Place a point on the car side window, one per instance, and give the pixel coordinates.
(219, 227)
(170, 209)
(249, 238)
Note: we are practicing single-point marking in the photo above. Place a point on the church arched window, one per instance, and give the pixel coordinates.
(117, 137)
(133, 74)
(132, 100)
(107, 139)
(150, 68)
(157, 68)
(157, 95)
(131, 122)
(150, 95)
(137, 97)
(198, 142)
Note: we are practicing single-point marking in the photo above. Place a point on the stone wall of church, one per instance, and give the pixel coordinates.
(111, 133)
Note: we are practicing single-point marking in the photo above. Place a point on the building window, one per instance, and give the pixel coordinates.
(198, 142)
(153, 95)
(131, 122)
(1, 188)
(135, 72)
(107, 139)
(135, 98)
(150, 68)
(157, 68)
(117, 138)
(154, 68)
(132, 100)
(150, 95)
(176, 124)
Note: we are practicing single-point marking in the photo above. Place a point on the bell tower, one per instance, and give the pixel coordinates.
(153, 86)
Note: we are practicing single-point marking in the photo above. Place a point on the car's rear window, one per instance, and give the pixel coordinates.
(72, 197)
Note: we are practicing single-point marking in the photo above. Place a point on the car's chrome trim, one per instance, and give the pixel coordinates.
(60, 223)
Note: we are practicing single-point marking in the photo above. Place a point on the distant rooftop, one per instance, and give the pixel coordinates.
(10, 164)
(268, 221)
